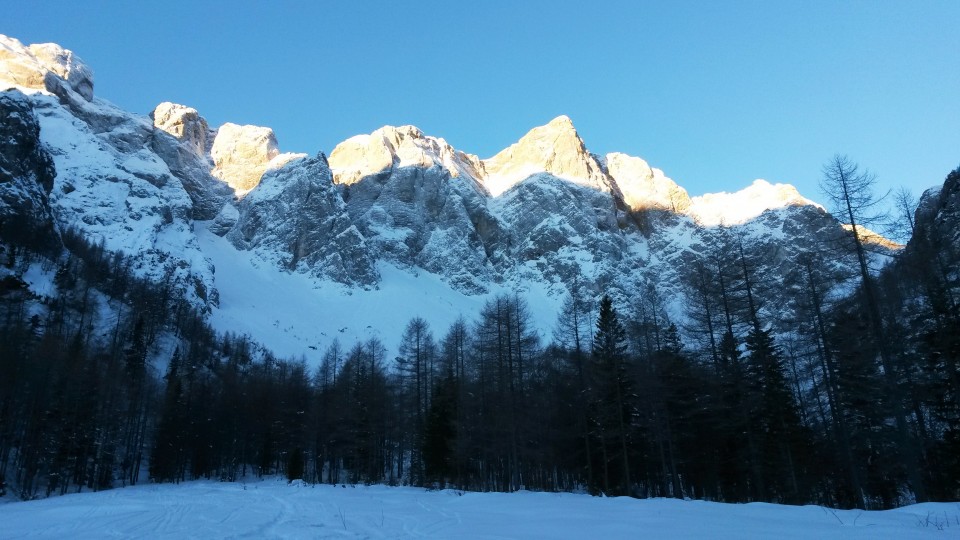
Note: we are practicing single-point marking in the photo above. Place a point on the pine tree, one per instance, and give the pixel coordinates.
(612, 397)
(774, 413)
(166, 460)
(414, 367)
(440, 432)
(850, 191)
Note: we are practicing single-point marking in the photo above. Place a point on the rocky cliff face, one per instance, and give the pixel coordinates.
(241, 154)
(26, 172)
(542, 211)
(182, 140)
(296, 219)
(110, 182)
(937, 224)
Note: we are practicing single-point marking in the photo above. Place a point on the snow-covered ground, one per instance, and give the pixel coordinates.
(295, 315)
(275, 509)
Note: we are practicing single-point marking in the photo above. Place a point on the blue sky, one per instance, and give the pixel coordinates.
(714, 93)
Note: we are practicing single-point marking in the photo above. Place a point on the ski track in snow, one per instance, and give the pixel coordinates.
(272, 508)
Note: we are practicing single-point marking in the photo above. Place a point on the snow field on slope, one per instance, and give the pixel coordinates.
(294, 315)
(272, 508)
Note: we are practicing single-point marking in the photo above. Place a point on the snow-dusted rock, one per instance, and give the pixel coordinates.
(26, 169)
(644, 187)
(406, 146)
(184, 123)
(297, 220)
(241, 154)
(736, 208)
(938, 213)
(555, 148)
(225, 220)
(182, 139)
(30, 67)
(107, 180)
(395, 201)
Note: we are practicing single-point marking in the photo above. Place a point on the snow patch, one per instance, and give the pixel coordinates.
(296, 315)
(40, 280)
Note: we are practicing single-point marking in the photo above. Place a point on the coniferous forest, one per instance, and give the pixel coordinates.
(857, 406)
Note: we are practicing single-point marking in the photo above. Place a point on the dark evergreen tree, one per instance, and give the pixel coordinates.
(613, 410)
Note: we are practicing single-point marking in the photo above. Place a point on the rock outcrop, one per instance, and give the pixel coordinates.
(182, 139)
(26, 172)
(555, 148)
(297, 220)
(395, 147)
(643, 187)
(241, 154)
(30, 67)
(184, 123)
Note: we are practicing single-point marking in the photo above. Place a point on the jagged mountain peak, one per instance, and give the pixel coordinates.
(386, 213)
(555, 148)
(29, 66)
(561, 123)
(741, 206)
(643, 186)
(184, 123)
(398, 146)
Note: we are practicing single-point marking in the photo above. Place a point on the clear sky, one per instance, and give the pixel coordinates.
(715, 93)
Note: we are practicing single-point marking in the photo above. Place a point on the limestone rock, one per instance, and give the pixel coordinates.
(28, 66)
(26, 170)
(555, 148)
(405, 146)
(225, 220)
(241, 155)
(181, 139)
(644, 187)
(184, 123)
(297, 220)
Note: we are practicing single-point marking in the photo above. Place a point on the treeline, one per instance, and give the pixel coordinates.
(845, 393)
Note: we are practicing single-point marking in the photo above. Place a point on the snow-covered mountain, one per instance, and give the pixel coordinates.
(297, 249)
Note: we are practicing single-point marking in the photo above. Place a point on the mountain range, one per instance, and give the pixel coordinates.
(296, 250)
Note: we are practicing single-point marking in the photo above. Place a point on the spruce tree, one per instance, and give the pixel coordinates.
(612, 394)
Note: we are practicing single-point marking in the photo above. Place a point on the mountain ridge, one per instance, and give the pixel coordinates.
(530, 219)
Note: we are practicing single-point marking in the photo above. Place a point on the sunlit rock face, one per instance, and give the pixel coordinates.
(184, 123)
(418, 203)
(182, 139)
(241, 154)
(31, 67)
(395, 147)
(642, 186)
(723, 208)
(555, 148)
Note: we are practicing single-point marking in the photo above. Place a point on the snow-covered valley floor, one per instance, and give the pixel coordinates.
(273, 508)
